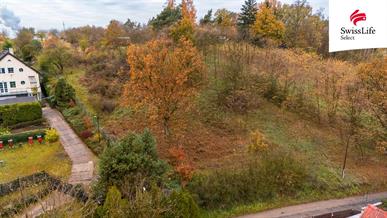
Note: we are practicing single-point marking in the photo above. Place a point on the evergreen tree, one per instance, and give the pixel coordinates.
(207, 19)
(166, 18)
(247, 17)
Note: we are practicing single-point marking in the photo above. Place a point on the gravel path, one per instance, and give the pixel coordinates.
(320, 207)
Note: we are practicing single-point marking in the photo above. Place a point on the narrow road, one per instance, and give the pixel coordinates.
(82, 159)
(81, 156)
(321, 207)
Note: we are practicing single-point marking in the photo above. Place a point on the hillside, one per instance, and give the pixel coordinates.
(234, 114)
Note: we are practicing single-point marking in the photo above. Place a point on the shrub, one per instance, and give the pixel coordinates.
(257, 143)
(18, 113)
(52, 135)
(28, 124)
(86, 134)
(64, 94)
(22, 137)
(182, 205)
(73, 111)
(4, 131)
(132, 159)
(259, 180)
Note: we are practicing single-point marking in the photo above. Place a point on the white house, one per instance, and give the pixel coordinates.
(17, 79)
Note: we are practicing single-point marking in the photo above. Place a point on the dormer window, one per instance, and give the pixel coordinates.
(10, 70)
(21, 70)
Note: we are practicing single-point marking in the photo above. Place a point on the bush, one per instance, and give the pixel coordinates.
(68, 112)
(86, 134)
(182, 205)
(19, 113)
(23, 137)
(259, 180)
(52, 135)
(132, 159)
(64, 94)
(28, 123)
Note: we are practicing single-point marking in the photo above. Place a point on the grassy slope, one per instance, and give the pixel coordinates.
(73, 77)
(211, 147)
(29, 159)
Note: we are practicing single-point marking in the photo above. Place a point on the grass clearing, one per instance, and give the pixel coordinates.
(73, 77)
(29, 159)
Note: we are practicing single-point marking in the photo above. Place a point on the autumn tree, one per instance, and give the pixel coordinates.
(247, 17)
(55, 57)
(27, 47)
(304, 29)
(226, 21)
(164, 78)
(185, 27)
(114, 34)
(374, 79)
(267, 27)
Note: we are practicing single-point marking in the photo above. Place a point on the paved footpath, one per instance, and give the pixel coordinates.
(81, 156)
(321, 207)
(82, 159)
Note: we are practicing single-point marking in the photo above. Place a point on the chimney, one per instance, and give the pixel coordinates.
(10, 50)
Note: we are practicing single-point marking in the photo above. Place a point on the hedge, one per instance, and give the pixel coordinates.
(23, 136)
(19, 113)
(27, 124)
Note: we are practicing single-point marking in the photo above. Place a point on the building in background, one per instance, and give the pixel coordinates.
(18, 81)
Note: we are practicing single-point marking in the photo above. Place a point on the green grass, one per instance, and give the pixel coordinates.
(73, 76)
(29, 159)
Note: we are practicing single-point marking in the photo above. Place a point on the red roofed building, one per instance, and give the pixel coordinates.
(374, 212)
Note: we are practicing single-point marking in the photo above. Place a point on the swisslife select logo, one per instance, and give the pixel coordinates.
(350, 33)
(357, 24)
(356, 17)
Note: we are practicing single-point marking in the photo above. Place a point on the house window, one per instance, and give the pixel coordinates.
(2, 70)
(12, 84)
(23, 82)
(3, 87)
(21, 70)
(32, 80)
(10, 70)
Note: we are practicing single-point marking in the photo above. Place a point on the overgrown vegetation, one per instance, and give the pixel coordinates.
(249, 110)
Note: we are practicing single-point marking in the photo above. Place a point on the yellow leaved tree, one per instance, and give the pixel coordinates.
(267, 28)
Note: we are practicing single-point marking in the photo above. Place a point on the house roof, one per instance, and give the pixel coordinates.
(5, 53)
(374, 212)
(17, 100)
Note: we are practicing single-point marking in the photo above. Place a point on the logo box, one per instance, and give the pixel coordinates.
(357, 24)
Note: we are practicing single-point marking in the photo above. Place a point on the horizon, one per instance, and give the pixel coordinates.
(59, 14)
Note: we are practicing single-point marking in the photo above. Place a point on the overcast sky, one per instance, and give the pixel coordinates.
(48, 14)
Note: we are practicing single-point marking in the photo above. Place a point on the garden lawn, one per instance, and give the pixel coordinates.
(29, 159)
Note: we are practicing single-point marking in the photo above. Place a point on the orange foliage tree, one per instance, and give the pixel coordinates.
(185, 27)
(181, 164)
(164, 78)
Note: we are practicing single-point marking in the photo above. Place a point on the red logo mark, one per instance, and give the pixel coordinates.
(356, 17)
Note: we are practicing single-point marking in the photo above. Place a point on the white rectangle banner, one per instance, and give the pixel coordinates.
(357, 24)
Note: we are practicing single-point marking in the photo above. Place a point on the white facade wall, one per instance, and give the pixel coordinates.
(24, 77)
